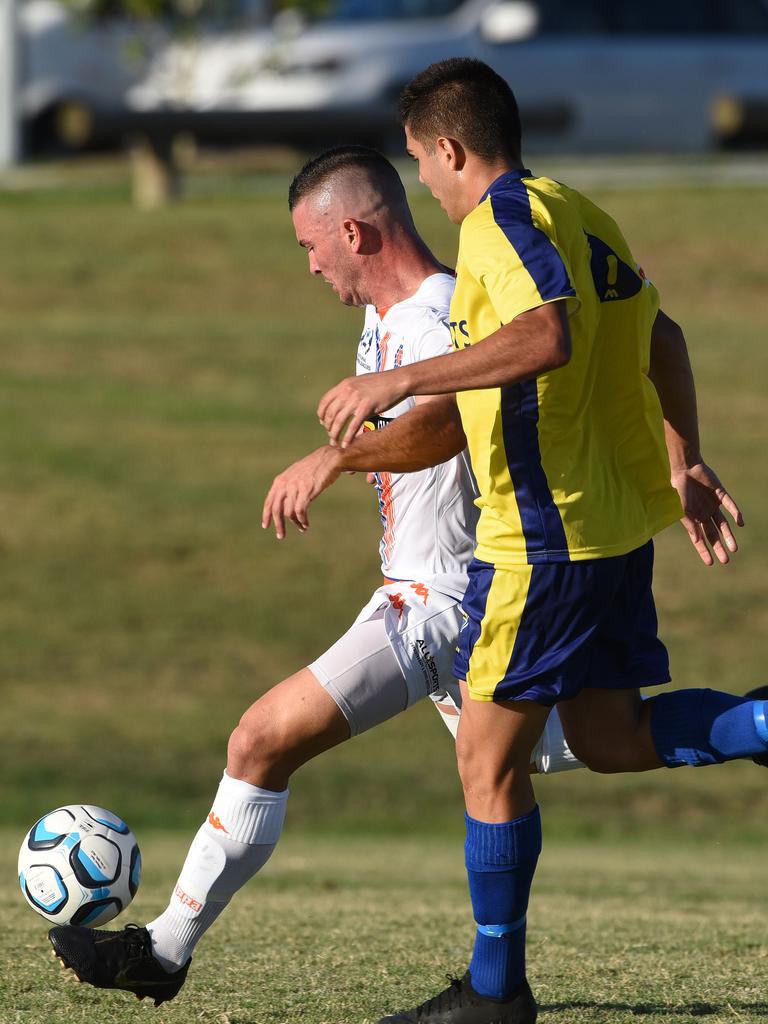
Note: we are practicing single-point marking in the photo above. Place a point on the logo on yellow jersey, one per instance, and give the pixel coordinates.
(459, 333)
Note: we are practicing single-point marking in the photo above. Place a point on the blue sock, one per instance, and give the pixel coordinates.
(698, 727)
(501, 860)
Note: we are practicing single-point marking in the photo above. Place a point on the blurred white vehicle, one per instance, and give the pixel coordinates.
(81, 79)
(594, 75)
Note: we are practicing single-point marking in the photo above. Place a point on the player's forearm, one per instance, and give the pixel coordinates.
(531, 344)
(670, 371)
(425, 436)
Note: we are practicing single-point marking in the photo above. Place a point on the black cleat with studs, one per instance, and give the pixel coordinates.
(460, 1004)
(123, 960)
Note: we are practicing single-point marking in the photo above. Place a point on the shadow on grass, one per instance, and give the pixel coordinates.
(660, 1009)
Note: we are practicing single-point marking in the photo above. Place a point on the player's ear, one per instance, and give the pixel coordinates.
(352, 233)
(452, 153)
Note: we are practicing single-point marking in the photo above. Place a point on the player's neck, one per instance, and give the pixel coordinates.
(403, 269)
(480, 175)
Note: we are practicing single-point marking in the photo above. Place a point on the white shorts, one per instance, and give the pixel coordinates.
(399, 649)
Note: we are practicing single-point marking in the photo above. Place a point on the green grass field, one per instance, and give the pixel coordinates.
(156, 371)
(338, 931)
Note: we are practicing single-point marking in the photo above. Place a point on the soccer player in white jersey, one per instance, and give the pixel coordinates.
(351, 215)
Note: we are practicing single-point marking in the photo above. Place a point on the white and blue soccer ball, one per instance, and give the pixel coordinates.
(79, 865)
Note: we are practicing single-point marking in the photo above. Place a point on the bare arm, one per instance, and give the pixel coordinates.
(531, 344)
(672, 377)
(702, 494)
(425, 436)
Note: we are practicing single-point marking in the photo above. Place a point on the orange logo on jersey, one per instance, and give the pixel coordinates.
(187, 900)
(397, 602)
(215, 822)
(421, 590)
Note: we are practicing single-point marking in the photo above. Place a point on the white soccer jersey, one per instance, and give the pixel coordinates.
(401, 646)
(428, 517)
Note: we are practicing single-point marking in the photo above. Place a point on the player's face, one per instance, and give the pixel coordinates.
(435, 171)
(330, 257)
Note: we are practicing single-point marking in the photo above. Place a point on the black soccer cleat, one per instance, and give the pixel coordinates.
(460, 1004)
(121, 959)
(759, 693)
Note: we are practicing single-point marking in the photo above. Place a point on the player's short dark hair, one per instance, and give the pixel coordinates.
(463, 98)
(319, 169)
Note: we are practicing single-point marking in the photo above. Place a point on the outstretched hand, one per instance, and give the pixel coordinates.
(354, 400)
(704, 498)
(296, 488)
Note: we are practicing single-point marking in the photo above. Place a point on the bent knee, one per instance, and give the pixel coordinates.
(487, 771)
(256, 745)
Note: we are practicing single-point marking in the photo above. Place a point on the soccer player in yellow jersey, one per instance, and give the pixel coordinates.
(579, 409)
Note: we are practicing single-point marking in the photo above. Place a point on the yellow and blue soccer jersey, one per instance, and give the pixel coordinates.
(571, 465)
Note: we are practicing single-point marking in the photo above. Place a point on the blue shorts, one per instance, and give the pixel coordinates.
(544, 632)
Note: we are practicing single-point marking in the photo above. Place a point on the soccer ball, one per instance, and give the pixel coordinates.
(80, 865)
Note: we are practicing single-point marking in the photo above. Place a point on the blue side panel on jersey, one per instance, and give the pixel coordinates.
(511, 207)
(92, 868)
(542, 526)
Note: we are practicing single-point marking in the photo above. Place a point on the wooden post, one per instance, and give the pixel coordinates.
(154, 172)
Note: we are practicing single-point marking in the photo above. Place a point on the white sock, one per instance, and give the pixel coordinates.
(552, 754)
(234, 843)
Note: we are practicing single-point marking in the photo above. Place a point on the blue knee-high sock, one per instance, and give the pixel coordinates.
(501, 860)
(699, 727)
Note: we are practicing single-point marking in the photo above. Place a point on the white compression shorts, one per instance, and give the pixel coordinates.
(400, 649)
